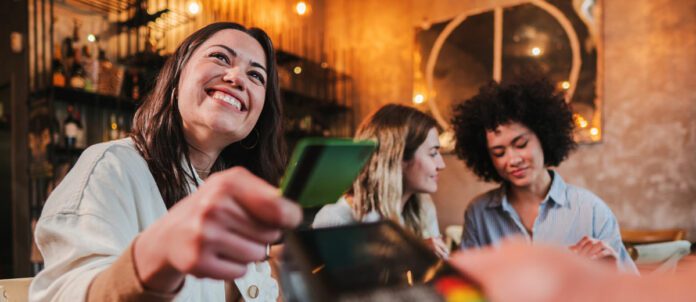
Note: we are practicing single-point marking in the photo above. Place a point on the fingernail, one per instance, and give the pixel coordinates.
(292, 213)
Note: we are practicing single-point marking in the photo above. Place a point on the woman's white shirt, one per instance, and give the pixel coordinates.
(341, 213)
(101, 205)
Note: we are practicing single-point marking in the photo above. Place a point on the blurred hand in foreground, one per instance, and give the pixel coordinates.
(518, 271)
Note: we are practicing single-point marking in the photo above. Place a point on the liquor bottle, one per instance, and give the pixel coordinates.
(71, 128)
(57, 65)
(68, 53)
(136, 88)
(76, 68)
(77, 72)
(91, 68)
(109, 78)
(81, 139)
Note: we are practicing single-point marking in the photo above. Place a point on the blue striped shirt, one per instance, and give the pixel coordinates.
(566, 215)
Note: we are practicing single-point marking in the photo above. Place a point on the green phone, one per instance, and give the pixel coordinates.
(322, 169)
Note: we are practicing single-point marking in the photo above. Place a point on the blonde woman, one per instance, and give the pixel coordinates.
(398, 178)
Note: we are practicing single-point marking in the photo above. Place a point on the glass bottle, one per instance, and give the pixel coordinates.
(77, 72)
(71, 128)
(58, 70)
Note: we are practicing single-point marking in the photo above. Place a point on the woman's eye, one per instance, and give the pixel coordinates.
(499, 154)
(220, 56)
(258, 76)
(522, 145)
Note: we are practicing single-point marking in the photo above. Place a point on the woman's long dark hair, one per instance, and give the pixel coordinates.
(158, 129)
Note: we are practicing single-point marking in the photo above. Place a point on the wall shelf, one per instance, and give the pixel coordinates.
(82, 97)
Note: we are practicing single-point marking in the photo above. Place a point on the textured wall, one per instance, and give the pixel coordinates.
(377, 38)
(645, 168)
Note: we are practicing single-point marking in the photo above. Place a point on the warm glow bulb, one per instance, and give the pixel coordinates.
(194, 8)
(565, 85)
(91, 38)
(536, 51)
(297, 70)
(418, 99)
(301, 8)
(594, 131)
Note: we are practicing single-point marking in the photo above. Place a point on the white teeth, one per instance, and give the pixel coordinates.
(227, 99)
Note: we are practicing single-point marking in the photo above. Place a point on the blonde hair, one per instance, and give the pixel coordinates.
(399, 131)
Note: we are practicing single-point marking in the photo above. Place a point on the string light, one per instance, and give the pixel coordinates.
(536, 51)
(194, 8)
(580, 121)
(565, 85)
(418, 99)
(301, 8)
(297, 70)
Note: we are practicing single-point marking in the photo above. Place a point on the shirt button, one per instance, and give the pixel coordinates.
(253, 291)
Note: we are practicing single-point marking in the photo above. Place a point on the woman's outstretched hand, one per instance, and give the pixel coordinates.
(594, 249)
(214, 232)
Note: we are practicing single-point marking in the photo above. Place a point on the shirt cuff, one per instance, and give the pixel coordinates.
(120, 282)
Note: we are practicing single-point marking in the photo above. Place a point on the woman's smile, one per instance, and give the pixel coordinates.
(227, 98)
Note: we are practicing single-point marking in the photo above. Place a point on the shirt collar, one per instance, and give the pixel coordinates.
(558, 189)
(556, 193)
(188, 169)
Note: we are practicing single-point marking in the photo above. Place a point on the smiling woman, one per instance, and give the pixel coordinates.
(398, 178)
(513, 134)
(221, 94)
(138, 218)
(222, 59)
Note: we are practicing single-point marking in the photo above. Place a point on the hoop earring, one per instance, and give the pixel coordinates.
(256, 141)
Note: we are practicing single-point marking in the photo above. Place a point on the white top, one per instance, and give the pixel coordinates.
(340, 213)
(101, 205)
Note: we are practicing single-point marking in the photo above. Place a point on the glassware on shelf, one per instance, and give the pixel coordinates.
(110, 77)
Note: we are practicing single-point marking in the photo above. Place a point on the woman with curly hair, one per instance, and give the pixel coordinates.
(398, 177)
(512, 134)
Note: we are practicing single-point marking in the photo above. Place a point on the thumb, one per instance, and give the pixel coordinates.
(258, 198)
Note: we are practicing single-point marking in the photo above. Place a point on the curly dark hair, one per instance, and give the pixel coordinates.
(532, 103)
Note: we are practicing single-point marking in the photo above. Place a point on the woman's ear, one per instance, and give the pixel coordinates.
(405, 164)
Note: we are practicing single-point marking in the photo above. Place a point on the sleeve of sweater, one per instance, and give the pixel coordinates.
(88, 224)
(120, 282)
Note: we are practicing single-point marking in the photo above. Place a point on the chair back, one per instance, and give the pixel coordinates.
(14, 290)
(453, 236)
(651, 236)
(663, 256)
